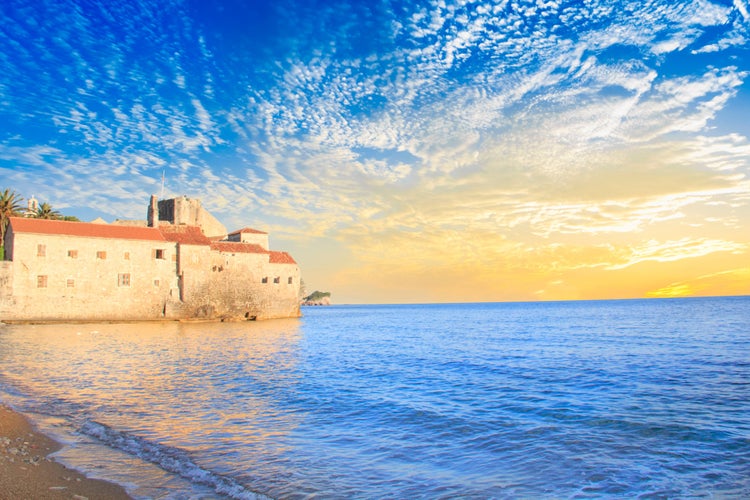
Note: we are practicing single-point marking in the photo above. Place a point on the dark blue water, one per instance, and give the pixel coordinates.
(570, 399)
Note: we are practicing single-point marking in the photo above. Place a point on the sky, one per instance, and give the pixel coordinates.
(405, 151)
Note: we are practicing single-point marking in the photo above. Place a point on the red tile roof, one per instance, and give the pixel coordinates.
(84, 229)
(185, 235)
(237, 247)
(281, 258)
(189, 235)
(248, 230)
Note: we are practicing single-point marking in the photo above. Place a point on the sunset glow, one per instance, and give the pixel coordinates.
(431, 151)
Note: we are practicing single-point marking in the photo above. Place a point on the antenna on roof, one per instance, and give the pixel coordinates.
(162, 184)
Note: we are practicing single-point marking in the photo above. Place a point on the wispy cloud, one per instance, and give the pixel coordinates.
(674, 250)
(503, 128)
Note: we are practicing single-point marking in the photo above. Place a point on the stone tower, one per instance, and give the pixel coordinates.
(185, 211)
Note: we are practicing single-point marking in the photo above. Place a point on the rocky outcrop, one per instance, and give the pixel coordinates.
(317, 299)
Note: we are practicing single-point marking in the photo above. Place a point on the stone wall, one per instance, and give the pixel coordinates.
(252, 237)
(184, 210)
(237, 285)
(6, 288)
(58, 277)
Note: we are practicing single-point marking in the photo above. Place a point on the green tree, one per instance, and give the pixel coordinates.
(47, 212)
(10, 206)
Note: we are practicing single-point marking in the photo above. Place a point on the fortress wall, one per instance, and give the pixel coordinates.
(72, 280)
(254, 238)
(6, 278)
(194, 272)
(209, 224)
(281, 300)
(222, 284)
(190, 212)
(7, 301)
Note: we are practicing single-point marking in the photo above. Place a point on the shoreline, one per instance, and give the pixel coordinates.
(27, 470)
(136, 321)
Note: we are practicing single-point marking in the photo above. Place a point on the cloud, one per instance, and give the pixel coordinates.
(742, 7)
(667, 251)
(492, 131)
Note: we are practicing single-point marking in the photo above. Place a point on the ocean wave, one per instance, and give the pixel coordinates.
(170, 459)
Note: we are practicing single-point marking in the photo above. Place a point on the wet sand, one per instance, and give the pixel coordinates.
(26, 471)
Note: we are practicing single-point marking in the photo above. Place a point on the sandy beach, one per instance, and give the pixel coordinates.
(26, 470)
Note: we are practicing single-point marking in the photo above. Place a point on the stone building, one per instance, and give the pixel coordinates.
(179, 264)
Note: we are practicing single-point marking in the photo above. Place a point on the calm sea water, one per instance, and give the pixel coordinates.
(546, 400)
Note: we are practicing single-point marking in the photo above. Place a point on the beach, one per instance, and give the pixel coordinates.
(27, 470)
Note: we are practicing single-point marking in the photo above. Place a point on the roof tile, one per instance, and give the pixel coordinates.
(248, 230)
(84, 229)
(185, 235)
(281, 258)
(237, 247)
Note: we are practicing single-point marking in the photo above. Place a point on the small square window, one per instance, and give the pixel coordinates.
(277, 279)
(123, 279)
(101, 254)
(73, 254)
(264, 280)
(126, 256)
(41, 281)
(158, 253)
(156, 282)
(71, 283)
(290, 280)
(41, 250)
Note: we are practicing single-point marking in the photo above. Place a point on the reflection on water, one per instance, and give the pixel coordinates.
(173, 383)
(605, 398)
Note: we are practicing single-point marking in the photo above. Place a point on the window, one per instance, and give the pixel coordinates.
(41, 281)
(290, 280)
(71, 283)
(126, 256)
(123, 279)
(277, 279)
(41, 250)
(73, 254)
(156, 282)
(264, 280)
(101, 254)
(159, 253)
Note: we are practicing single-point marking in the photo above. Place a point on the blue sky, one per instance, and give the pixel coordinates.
(405, 151)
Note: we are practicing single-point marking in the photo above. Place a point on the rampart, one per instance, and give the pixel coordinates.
(84, 271)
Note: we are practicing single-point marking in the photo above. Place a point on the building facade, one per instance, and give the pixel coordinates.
(163, 269)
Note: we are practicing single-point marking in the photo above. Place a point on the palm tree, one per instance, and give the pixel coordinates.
(10, 206)
(47, 212)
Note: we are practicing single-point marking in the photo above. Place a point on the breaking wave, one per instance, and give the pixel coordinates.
(170, 459)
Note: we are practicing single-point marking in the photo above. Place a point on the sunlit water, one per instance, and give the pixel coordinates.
(576, 399)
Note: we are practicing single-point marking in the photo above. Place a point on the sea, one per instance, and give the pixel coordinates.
(587, 399)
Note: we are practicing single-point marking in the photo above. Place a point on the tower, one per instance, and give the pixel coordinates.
(32, 207)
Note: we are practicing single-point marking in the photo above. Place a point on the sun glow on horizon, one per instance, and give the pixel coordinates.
(421, 151)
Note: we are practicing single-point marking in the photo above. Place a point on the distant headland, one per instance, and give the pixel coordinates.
(317, 299)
